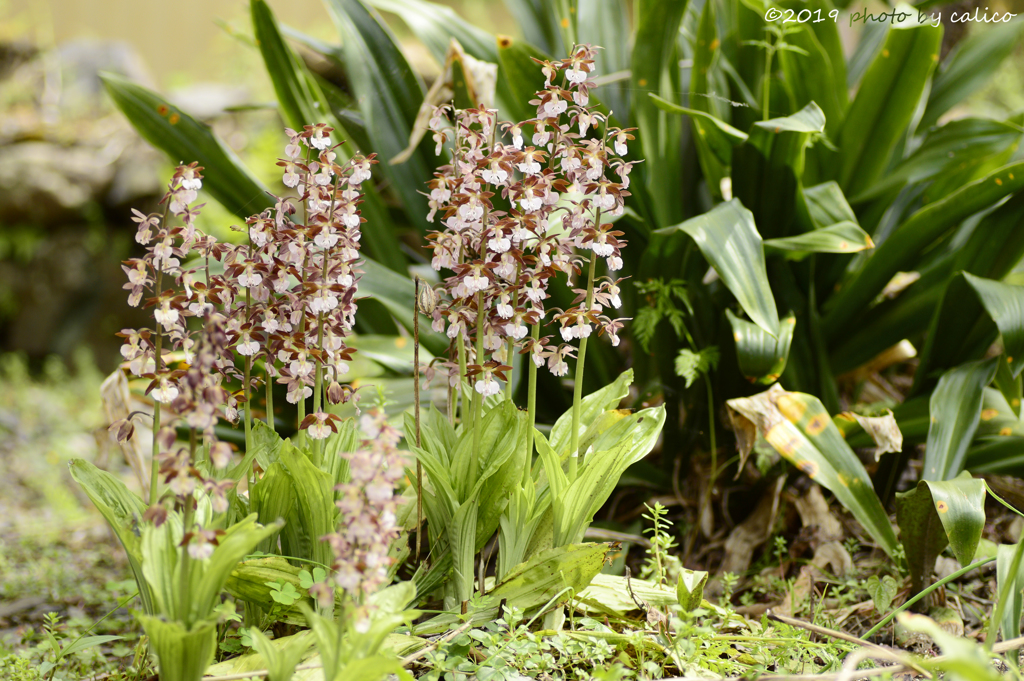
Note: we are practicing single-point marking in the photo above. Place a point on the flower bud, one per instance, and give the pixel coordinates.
(335, 393)
(427, 299)
(124, 429)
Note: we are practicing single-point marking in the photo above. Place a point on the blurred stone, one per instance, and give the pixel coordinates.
(206, 100)
(82, 61)
(42, 182)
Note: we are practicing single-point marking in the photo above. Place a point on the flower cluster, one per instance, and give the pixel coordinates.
(284, 299)
(516, 215)
(368, 506)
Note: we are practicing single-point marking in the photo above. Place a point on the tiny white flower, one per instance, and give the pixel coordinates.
(499, 243)
(165, 393)
(487, 386)
(166, 315)
(576, 76)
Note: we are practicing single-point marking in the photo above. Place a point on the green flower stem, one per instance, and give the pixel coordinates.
(461, 349)
(510, 352)
(154, 464)
(956, 575)
(270, 394)
(247, 388)
(300, 435)
(577, 393)
(186, 559)
(531, 408)
(1004, 596)
(477, 397)
(416, 412)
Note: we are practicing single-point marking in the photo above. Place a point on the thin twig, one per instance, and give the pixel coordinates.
(822, 631)
(408, 660)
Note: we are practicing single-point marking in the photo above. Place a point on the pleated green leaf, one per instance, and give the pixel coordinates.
(973, 62)
(1011, 387)
(592, 406)
(184, 140)
(556, 573)
(622, 445)
(936, 514)
(250, 581)
(462, 535)
(842, 237)
(885, 103)
(729, 240)
(122, 509)
(998, 418)
(992, 250)
(762, 358)
(797, 426)
(955, 409)
(281, 655)
(310, 517)
(826, 205)
(182, 653)
(970, 314)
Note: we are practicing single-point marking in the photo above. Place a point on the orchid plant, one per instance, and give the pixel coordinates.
(279, 308)
(517, 219)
